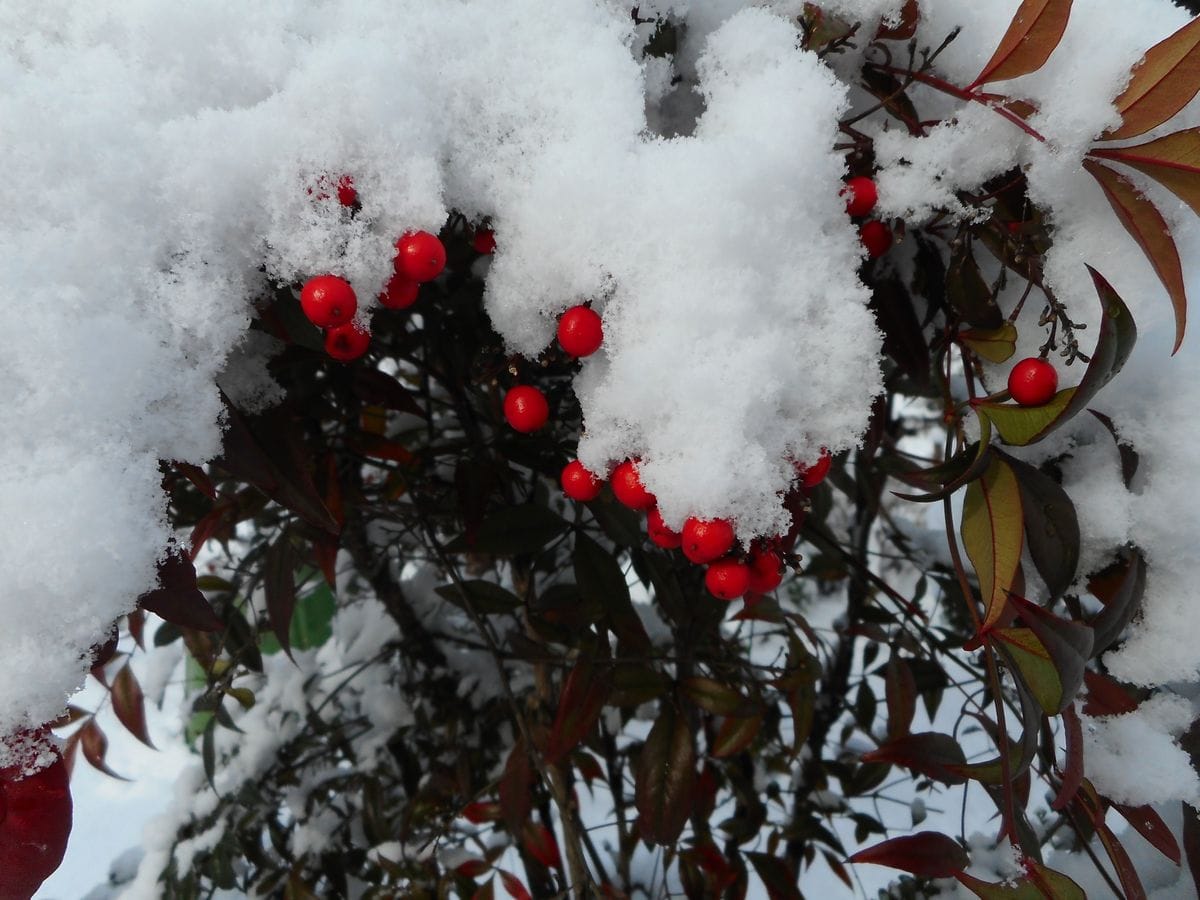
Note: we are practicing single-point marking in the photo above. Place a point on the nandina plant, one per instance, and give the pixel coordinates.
(422, 669)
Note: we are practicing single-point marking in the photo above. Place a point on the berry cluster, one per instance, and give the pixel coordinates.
(861, 196)
(580, 333)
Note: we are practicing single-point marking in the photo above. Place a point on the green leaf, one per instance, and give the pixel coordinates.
(665, 777)
(1068, 643)
(1031, 658)
(312, 622)
(601, 581)
(1021, 426)
(992, 533)
(1051, 525)
(716, 698)
(993, 344)
(512, 530)
(735, 735)
(485, 597)
(1040, 884)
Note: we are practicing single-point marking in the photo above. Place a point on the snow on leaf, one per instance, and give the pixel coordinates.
(1162, 83)
(1034, 32)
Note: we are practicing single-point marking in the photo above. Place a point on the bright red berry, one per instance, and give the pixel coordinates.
(811, 476)
(766, 571)
(727, 579)
(328, 301)
(420, 256)
(876, 237)
(706, 539)
(526, 409)
(578, 483)
(347, 342)
(580, 331)
(347, 195)
(660, 534)
(401, 293)
(628, 488)
(35, 822)
(484, 241)
(1033, 382)
(860, 194)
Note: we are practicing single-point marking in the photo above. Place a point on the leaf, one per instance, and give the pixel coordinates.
(584, 693)
(129, 705)
(1129, 456)
(279, 585)
(513, 885)
(1073, 767)
(512, 530)
(1149, 824)
(516, 788)
(993, 344)
(1105, 696)
(946, 478)
(735, 735)
(1121, 862)
(992, 533)
(1162, 83)
(1031, 658)
(777, 876)
(927, 854)
(1150, 230)
(472, 868)
(377, 388)
(969, 294)
(94, 743)
(1040, 884)
(602, 582)
(1031, 37)
(485, 597)
(1121, 607)
(1051, 525)
(900, 686)
(1191, 841)
(798, 684)
(197, 477)
(905, 24)
(994, 772)
(937, 756)
(1021, 426)
(664, 778)
(716, 698)
(903, 338)
(177, 599)
(1172, 160)
(541, 845)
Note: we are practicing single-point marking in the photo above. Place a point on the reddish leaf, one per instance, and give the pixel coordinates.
(1040, 884)
(513, 885)
(1172, 160)
(906, 24)
(516, 788)
(901, 689)
(1073, 768)
(1069, 645)
(1150, 230)
(1121, 605)
(129, 705)
(137, 627)
(198, 477)
(479, 813)
(94, 744)
(927, 854)
(584, 694)
(735, 735)
(217, 520)
(381, 389)
(472, 868)
(777, 876)
(664, 778)
(935, 755)
(177, 599)
(1149, 824)
(35, 822)
(1032, 35)
(1162, 83)
(993, 532)
(325, 551)
(1130, 882)
(1191, 841)
(716, 698)
(589, 768)
(1105, 696)
(487, 890)
(541, 845)
(279, 585)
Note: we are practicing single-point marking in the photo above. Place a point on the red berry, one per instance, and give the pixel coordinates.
(347, 195)
(580, 331)
(1033, 382)
(484, 241)
(706, 539)
(347, 342)
(328, 301)
(401, 293)
(860, 194)
(727, 579)
(35, 822)
(811, 476)
(876, 237)
(660, 534)
(420, 256)
(628, 487)
(578, 483)
(766, 571)
(526, 409)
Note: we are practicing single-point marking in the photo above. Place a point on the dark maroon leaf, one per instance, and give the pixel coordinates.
(735, 735)
(1051, 525)
(94, 744)
(1130, 881)
(777, 876)
(1129, 456)
(1073, 769)
(177, 599)
(1191, 841)
(1068, 643)
(927, 854)
(1149, 824)
(935, 755)
(137, 626)
(129, 705)
(1105, 696)
(601, 582)
(583, 696)
(664, 777)
(903, 339)
(377, 388)
(901, 690)
(516, 788)
(1119, 611)
(967, 292)
(198, 477)
(541, 845)
(279, 585)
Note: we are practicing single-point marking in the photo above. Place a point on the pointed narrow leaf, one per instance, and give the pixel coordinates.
(1191, 841)
(1149, 824)
(583, 696)
(926, 854)
(935, 755)
(980, 459)
(1073, 767)
(514, 886)
(993, 772)
(177, 599)
(664, 777)
(485, 597)
(777, 876)
(1121, 607)
(1021, 426)
(602, 582)
(1031, 658)
(1150, 230)
(968, 293)
(716, 698)
(1032, 35)
(1069, 644)
(1051, 525)
(735, 735)
(541, 845)
(905, 24)
(1040, 884)
(279, 585)
(993, 344)
(1162, 83)
(129, 705)
(1129, 456)
(516, 788)
(992, 533)
(94, 744)
(1130, 881)
(1172, 160)
(1106, 696)
(514, 529)
(900, 686)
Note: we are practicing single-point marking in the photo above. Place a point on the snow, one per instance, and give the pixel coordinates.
(1135, 757)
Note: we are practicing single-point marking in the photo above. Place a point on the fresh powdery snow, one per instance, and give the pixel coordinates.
(160, 174)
